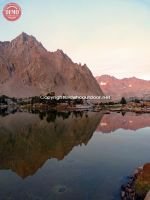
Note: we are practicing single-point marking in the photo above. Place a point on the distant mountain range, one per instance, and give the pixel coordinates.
(127, 87)
(28, 69)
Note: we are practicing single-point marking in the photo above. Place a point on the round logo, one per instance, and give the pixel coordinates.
(12, 11)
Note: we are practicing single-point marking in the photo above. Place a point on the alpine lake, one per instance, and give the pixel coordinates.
(70, 155)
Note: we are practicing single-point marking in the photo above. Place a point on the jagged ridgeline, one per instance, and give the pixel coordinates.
(131, 88)
(28, 69)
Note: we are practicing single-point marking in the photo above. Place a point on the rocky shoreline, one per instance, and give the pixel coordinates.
(138, 185)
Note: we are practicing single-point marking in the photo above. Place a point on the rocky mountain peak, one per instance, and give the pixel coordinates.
(24, 37)
(59, 51)
(60, 54)
(28, 69)
(26, 40)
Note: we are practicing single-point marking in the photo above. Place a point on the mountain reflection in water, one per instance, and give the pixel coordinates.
(128, 121)
(28, 140)
(52, 142)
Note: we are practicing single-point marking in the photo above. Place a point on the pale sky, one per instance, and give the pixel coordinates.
(110, 36)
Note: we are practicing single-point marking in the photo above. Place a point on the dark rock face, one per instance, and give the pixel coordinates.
(28, 69)
(127, 87)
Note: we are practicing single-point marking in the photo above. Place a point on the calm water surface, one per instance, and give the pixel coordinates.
(70, 156)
